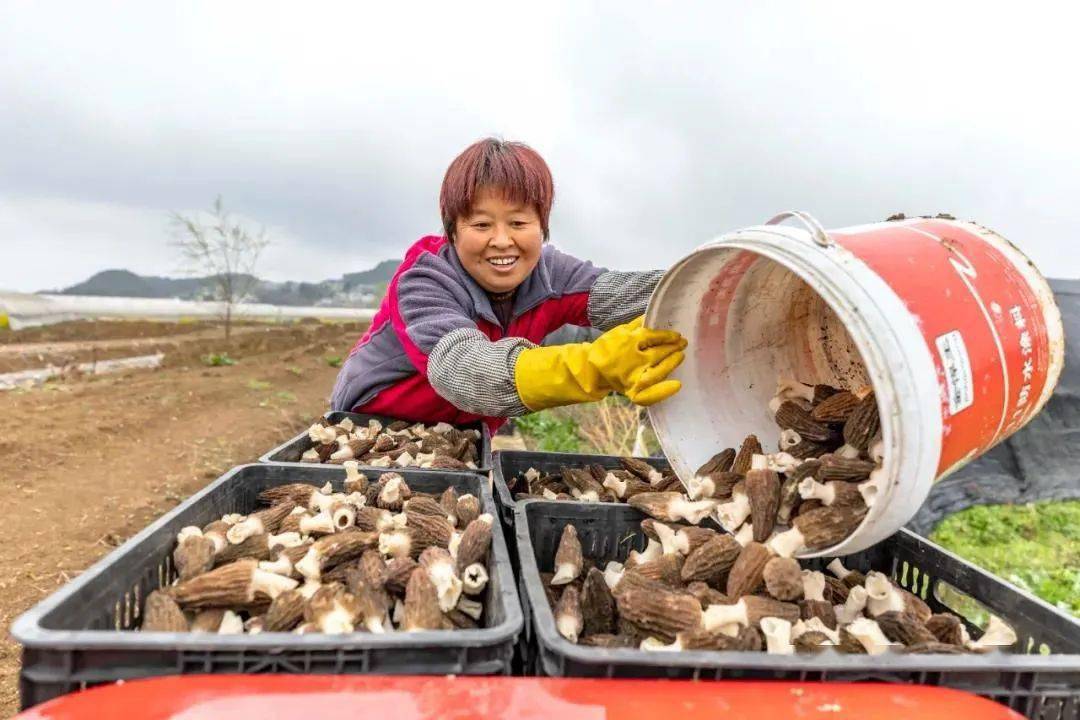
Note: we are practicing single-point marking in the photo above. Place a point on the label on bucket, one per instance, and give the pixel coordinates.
(980, 317)
(954, 359)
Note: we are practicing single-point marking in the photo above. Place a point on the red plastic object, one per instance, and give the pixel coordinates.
(327, 697)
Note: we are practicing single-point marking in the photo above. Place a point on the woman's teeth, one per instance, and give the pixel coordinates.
(502, 261)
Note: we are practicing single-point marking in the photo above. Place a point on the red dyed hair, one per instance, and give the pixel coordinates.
(512, 167)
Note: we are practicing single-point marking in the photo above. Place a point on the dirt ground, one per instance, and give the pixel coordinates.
(87, 341)
(109, 454)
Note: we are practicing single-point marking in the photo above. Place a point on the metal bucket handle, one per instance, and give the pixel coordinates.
(817, 233)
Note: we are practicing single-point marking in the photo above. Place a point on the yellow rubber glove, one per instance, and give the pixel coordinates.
(630, 359)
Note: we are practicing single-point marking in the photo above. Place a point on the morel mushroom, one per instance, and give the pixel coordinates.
(332, 610)
(285, 612)
(749, 610)
(711, 561)
(569, 620)
(397, 573)
(720, 462)
(777, 633)
(298, 493)
(421, 610)
(474, 578)
(996, 635)
(903, 628)
(883, 596)
(394, 492)
(867, 632)
(194, 553)
(748, 572)
(230, 585)
(475, 541)
(863, 424)
(258, 523)
(442, 571)
(568, 557)
(672, 506)
(735, 512)
(852, 608)
(355, 481)
(836, 408)
(818, 529)
(763, 493)
(468, 509)
(597, 604)
(831, 493)
(642, 469)
(663, 612)
(790, 416)
(835, 468)
(750, 446)
(333, 550)
(162, 614)
(851, 578)
(783, 579)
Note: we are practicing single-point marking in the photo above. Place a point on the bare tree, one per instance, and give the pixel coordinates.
(223, 248)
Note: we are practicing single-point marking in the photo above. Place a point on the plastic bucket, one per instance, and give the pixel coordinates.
(953, 327)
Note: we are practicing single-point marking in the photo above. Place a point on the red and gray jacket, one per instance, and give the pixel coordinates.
(435, 350)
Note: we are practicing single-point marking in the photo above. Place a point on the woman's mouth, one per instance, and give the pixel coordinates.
(503, 263)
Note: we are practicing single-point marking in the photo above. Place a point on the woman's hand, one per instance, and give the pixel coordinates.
(630, 359)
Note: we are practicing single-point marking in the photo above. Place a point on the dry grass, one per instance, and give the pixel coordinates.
(613, 426)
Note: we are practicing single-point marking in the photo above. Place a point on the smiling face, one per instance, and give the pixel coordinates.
(499, 241)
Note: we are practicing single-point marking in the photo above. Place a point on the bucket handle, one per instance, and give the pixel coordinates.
(816, 231)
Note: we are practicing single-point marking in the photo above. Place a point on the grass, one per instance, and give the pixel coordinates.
(608, 427)
(218, 360)
(550, 431)
(1034, 546)
(334, 361)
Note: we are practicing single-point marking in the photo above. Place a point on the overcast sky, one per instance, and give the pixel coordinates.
(664, 126)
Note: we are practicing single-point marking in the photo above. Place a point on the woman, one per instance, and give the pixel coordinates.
(455, 337)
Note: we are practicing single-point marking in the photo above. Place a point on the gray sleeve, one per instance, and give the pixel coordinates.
(619, 297)
(476, 374)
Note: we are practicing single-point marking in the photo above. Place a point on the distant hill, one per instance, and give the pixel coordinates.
(125, 283)
(379, 274)
(359, 289)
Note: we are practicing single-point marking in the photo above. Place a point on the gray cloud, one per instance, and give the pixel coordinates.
(664, 126)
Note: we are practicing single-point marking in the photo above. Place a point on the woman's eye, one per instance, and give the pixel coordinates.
(481, 225)
(519, 223)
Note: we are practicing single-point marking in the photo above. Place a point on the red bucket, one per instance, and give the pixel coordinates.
(954, 328)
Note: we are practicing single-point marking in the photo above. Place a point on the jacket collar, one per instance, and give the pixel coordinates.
(535, 289)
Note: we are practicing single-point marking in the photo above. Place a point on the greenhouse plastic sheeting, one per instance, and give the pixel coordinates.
(22, 310)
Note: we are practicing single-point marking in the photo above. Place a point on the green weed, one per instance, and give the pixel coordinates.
(1034, 546)
(217, 360)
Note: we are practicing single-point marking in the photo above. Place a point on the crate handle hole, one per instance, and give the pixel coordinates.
(962, 604)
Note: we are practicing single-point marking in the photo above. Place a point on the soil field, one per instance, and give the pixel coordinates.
(86, 463)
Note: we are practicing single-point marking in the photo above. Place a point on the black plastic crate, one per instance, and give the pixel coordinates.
(1045, 686)
(291, 450)
(79, 636)
(510, 464)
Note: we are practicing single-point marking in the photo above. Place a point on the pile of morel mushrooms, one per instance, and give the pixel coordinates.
(595, 483)
(809, 495)
(397, 444)
(377, 557)
(694, 588)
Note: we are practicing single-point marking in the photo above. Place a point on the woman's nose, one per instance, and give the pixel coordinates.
(501, 237)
